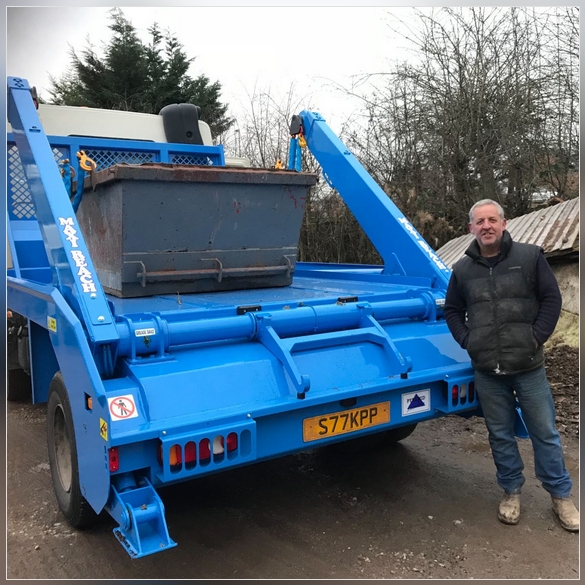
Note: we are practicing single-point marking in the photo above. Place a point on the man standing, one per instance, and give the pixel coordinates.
(503, 302)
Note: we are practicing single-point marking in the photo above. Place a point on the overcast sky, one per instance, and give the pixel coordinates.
(270, 47)
(238, 46)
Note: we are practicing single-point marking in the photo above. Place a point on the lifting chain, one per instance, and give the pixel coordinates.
(86, 165)
(297, 143)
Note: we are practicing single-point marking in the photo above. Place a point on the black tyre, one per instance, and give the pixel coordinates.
(19, 388)
(398, 434)
(63, 457)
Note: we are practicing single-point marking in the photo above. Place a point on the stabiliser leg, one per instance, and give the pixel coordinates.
(140, 513)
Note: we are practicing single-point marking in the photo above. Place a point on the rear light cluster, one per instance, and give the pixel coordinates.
(193, 453)
(462, 394)
(113, 459)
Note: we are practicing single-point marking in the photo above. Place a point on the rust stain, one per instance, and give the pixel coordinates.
(201, 173)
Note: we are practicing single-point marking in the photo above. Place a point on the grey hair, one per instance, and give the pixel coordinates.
(486, 202)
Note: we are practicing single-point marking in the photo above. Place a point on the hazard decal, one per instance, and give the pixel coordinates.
(103, 429)
(415, 402)
(122, 407)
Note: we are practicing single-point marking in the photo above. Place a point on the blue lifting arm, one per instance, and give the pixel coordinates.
(370, 206)
(71, 266)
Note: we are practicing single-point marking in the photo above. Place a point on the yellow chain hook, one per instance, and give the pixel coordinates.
(85, 162)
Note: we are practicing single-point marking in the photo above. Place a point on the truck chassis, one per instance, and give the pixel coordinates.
(150, 391)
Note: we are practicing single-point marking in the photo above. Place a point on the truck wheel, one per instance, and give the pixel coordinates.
(394, 435)
(19, 388)
(63, 457)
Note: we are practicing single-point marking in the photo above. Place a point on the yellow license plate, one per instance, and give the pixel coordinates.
(347, 421)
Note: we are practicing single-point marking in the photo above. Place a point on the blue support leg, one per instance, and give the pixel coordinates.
(140, 513)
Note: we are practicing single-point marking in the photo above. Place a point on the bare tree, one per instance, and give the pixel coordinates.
(487, 108)
(330, 232)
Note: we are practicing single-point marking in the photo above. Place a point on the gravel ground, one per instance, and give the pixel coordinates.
(423, 509)
(562, 368)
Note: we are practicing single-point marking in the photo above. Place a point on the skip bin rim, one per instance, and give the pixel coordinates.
(153, 172)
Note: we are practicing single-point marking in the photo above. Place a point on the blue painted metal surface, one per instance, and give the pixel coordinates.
(183, 386)
(520, 428)
(44, 305)
(71, 266)
(294, 154)
(139, 511)
(402, 248)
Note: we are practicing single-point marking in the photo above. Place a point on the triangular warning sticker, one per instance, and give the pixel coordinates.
(416, 402)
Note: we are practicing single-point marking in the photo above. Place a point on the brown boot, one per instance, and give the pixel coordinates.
(567, 513)
(509, 510)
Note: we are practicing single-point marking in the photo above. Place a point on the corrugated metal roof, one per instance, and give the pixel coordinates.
(555, 229)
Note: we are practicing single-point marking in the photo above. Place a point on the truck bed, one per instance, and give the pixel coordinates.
(310, 284)
(220, 376)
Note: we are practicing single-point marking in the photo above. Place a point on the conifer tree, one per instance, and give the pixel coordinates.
(138, 77)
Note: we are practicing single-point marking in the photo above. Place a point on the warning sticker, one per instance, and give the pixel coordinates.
(103, 429)
(52, 324)
(415, 402)
(122, 407)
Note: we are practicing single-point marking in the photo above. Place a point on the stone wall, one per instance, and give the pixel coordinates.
(568, 279)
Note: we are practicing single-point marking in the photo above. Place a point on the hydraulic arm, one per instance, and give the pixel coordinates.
(72, 269)
(368, 202)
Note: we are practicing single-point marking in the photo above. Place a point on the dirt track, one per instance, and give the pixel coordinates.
(425, 508)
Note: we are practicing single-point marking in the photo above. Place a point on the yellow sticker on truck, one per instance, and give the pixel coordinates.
(346, 421)
(103, 429)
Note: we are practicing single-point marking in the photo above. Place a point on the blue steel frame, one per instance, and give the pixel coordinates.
(205, 370)
(403, 250)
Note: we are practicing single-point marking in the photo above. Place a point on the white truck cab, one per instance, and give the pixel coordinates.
(118, 124)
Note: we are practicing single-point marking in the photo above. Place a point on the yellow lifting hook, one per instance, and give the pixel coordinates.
(85, 162)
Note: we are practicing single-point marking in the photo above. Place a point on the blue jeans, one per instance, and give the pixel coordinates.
(496, 396)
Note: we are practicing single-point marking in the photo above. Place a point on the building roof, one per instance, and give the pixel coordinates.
(555, 229)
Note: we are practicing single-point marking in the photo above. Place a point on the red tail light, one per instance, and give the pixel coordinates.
(232, 442)
(114, 461)
(204, 449)
(190, 452)
(455, 394)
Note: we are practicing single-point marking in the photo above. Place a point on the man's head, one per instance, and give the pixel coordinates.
(487, 224)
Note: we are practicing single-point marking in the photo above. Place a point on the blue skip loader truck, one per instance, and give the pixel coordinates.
(156, 305)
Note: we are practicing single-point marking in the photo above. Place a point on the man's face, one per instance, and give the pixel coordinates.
(487, 227)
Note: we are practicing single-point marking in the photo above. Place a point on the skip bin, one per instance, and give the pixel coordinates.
(167, 229)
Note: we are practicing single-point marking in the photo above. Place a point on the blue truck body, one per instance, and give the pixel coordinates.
(162, 390)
